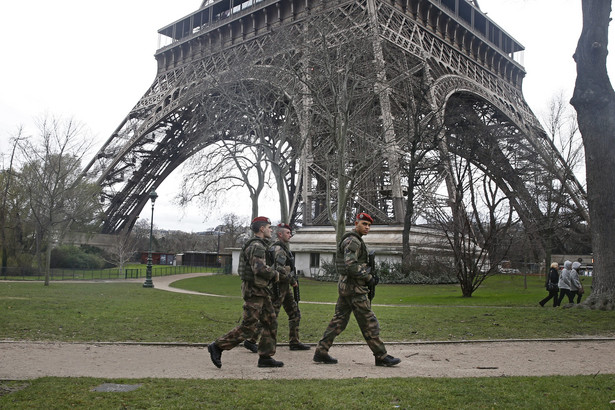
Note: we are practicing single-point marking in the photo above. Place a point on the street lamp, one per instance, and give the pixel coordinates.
(218, 251)
(148, 272)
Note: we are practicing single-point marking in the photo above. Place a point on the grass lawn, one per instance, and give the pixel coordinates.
(505, 307)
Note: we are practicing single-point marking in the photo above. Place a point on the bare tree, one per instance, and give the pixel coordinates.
(476, 225)
(7, 179)
(236, 230)
(266, 122)
(419, 129)
(559, 221)
(594, 101)
(221, 167)
(58, 198)
(338, 76)
(123, 250)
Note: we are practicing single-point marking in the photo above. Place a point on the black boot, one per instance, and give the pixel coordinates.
(387, 361)
(268, 361)
(251, 346)
(216, 354)
(324, 358)
(299, 346)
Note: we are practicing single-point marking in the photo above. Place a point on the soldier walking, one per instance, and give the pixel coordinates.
(283, 263)
(355, 279)
(256, 291)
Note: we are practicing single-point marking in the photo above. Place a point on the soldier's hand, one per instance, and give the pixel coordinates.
(371, 282)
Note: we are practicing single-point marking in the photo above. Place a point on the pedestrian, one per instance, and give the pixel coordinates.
(355, 278)
(284, 264)
(564, 284)
(551, 285)
(256, 289)
(576, 287)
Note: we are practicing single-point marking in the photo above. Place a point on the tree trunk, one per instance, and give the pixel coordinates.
(594, 101)
(406, 256)
(282, 194)
(48, 263)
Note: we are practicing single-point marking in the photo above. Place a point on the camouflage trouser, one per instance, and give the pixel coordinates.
(361, 306)
(256, 310)
(291, 308)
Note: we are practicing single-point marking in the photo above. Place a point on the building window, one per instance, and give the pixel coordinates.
(314, 260)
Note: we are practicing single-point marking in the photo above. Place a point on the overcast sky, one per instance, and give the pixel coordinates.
(93, 61)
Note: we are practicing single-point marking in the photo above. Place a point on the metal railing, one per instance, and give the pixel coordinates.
(33, 274)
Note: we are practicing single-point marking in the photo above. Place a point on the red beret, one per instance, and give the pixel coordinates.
(261, 219)
(287, 226)
(365, 217)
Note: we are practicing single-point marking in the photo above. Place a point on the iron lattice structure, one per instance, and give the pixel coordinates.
(447, 50)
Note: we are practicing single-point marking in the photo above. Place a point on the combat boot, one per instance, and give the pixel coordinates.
(268, 361)
(299, 346)
(387, 361)
(216, 354)
(324, 358)
(251, 346)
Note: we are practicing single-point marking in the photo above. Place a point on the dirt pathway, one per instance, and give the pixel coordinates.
(27, 360)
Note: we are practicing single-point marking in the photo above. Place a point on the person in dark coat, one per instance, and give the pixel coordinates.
(576, 287)
(551, 285)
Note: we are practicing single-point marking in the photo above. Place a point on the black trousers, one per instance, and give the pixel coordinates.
(565, 292)
(552, 295)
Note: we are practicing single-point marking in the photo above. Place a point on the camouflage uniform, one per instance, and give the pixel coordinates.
(258, 307)
(282, 263)
(351, 261)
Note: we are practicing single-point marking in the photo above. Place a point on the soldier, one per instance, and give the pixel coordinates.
(351, 261)
(283, 262)
(256, 291)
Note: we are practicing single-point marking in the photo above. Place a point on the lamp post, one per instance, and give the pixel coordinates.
(218, 251)
(148, 272)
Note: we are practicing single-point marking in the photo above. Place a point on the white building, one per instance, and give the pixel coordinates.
(315, 245)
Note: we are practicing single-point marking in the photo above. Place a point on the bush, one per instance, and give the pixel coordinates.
(72, 257)
(422, 272)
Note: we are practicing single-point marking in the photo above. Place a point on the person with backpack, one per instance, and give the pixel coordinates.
(284, 262)
(256, 289)
(355, 280)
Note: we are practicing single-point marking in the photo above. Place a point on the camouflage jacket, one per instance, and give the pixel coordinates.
(283, 261)
(255, 270)
(352, 264)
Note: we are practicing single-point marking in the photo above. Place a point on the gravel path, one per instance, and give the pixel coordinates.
(27, 360)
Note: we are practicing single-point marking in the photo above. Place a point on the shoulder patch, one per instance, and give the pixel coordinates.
(353, 245)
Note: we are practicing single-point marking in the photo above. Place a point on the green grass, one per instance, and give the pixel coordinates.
(502, 309)
(505, 307)
(500, 290)
(563, 392)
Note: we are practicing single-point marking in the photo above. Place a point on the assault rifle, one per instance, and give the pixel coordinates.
(371, 263)
(293, 271)
(270, 257)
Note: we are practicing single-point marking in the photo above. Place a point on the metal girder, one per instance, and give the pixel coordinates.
(166, 127)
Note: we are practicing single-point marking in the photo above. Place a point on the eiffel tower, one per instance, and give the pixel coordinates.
(469, 60)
